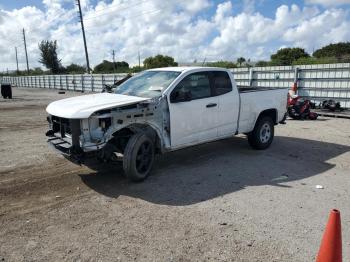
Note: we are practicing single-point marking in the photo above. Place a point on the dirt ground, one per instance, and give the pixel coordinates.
(221, 201)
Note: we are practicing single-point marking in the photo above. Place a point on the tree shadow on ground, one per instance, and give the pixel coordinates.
(211, 170)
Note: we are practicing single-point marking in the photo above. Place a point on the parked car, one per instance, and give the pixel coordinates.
(161, 110)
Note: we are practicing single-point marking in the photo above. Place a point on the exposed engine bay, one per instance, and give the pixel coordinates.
(106, 132)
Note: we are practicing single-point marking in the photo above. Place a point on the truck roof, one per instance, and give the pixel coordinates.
(187, 68)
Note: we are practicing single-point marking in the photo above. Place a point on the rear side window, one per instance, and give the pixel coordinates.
(222, 83)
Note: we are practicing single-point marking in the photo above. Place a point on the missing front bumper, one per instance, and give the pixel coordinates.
(65, 147)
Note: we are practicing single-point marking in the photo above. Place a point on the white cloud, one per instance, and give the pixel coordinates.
(328, 2)
(320, 30)
(249, 6)
(177, 28)
(247, 34)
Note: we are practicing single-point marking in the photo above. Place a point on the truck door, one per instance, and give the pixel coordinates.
(193, 111)
(228, 97)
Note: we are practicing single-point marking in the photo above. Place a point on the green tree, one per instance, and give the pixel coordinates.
(48, 53)
(314, 60)
(224, 64)
(36, 71)
(75, 69)
(110, 67)
(159, 61)
(333, 50)
(136, 69)
(240, 60)
(262, 63)
(286, 56)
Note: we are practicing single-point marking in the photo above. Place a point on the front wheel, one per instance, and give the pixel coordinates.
(262, 135)
(138, 157)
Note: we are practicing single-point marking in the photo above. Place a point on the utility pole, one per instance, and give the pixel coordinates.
(83, 30)
(25, 49)
(139, 61)
(16, 58)
(113, 61)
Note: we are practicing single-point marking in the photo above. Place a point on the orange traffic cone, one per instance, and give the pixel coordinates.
(331, 246)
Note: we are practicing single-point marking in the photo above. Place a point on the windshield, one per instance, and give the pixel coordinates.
(147, 84)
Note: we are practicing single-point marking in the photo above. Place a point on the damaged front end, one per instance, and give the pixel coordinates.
(64, 136)
(78, 139)
(105, 133)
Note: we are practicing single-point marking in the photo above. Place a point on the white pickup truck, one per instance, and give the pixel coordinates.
(162, 110)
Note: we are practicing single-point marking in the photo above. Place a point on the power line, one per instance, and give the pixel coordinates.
(13, 42)
(127, 18)
(113, 6)
(62, 16)
(125, 8)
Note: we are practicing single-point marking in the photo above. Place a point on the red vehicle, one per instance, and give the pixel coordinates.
(299, 108)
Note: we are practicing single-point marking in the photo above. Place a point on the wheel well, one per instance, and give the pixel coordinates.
(270, 113)
(122, 136)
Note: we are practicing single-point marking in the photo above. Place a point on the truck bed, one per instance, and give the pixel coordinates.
(245, 89)
(256, 100)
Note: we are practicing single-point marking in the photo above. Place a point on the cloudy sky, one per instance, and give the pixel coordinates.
(188, 30)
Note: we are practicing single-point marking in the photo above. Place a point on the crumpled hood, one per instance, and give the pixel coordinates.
(80, 107)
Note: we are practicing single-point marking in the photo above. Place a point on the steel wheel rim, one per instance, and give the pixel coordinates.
(265, 133)
(144, 157)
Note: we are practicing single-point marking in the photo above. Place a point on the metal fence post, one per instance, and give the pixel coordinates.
(73, 82)
(251, 75)
(92, 83)
(296, 74)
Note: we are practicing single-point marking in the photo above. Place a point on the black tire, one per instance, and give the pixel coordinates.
(138, 157)
(262, 135)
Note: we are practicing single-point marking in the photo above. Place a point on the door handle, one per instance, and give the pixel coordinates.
(211, 105)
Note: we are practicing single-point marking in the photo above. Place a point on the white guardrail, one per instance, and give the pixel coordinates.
(316, 82)
(86, 82)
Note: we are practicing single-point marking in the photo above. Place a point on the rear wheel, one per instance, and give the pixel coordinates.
(262, 135)
(138, 157)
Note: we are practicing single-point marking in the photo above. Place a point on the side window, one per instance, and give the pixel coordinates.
(193, 86)
(222, 83)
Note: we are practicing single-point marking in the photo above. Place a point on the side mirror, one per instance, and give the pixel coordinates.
(180, 96)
